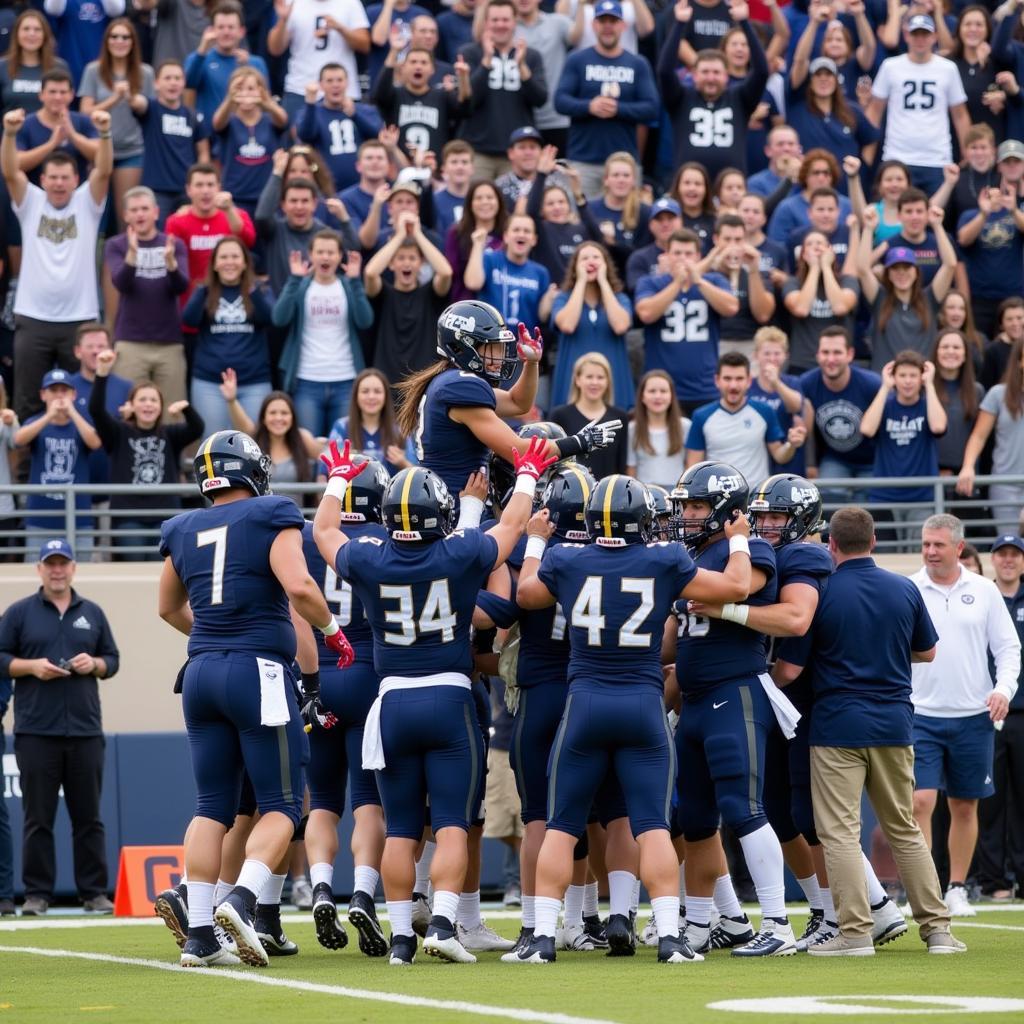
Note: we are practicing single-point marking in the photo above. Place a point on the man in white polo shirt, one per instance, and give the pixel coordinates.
(955, 703)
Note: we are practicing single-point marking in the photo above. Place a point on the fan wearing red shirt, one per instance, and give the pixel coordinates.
(210, 216)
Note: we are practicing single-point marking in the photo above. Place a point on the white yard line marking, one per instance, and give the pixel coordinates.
(957, 923)
(252, 978)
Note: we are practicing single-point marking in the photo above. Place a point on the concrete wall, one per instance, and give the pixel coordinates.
(139, 698)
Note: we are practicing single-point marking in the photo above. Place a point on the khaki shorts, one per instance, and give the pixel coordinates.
(501, 814)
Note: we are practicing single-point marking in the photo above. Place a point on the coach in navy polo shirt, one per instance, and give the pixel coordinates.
(55, 644)
(862, 731)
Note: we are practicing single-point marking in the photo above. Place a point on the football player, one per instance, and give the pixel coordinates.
(229, 573)
(336, 737)
(455, 409)
(786, 511)
(616, 592)
(419, 587)
(726, 716)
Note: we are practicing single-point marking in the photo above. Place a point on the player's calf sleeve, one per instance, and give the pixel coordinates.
(763, 855)
(620, 891)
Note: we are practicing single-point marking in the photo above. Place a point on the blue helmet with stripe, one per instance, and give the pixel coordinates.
(620, 512)
(230, 458)
(417, 505)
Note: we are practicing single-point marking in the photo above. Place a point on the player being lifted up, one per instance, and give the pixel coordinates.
(727, 713)
(455, 409)
(229, 574)
(617, 593)
(419, 587)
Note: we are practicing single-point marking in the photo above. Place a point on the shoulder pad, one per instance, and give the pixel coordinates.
(457, 387)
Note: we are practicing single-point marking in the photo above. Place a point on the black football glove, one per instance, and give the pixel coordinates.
(313, 712)
(598, 435)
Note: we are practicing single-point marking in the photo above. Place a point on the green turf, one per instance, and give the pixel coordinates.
(584, 985)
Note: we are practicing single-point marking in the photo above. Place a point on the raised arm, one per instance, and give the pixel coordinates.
(15, 178)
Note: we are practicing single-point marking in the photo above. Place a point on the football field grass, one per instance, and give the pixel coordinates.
(77, 969)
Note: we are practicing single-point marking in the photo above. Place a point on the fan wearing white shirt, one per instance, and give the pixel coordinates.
(956, 708)
(315, 33)
(919, 92)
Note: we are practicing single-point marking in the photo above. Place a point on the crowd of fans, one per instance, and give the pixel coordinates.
(829, 196)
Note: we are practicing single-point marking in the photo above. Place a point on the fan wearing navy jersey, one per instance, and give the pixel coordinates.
(335, 754)
(617, 593)
(710, 117)
(682, 312)
(728, 701)
(418, 588)
(229, 574)
(454, 410)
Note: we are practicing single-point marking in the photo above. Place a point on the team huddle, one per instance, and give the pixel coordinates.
(632, 628)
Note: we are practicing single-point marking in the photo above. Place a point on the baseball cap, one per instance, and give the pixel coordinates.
(57, 377)
(1011, 149)
(1008, 540)
(665, 205)
(608, 9)
(900, 254)
(921, 23)
(824, 64)
(55, 547)
(526, 132)
(412, 187)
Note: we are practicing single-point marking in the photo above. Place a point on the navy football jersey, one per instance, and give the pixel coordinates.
(419, 598)
(711, 651)
(544, 642)
(808, 563)
(616, 601)
(345, 605)
(442, 445)
(222, 555)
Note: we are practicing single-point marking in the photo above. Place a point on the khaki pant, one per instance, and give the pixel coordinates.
(838, 776)
(501, 803)
(161, 364)
(490, 165)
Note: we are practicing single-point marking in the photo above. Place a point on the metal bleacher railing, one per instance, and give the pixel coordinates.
(108, 524)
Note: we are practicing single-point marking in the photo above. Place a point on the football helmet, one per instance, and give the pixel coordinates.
(722, 486)
(620, 512)
(502, 476)
(663, 518)
(365, 494)
(794, 497)
(417, 505)
(566, 497)
(230, 458)
(466, 325)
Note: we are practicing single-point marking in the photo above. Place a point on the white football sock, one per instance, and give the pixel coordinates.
(590, 905)
(682, 884)
(322, 874)
(271, 894)
(446, 905)
(574, 906)
(400, 916)
(365, 879)
(634, 901)
(725, 897)
(763, 855)
(220, 890)
(529, 918)
(812, 891)
(423, 867)
(547, 908)
(666, 915)
(827, 905)
(876, 894)
(698, 910)
(254, 876)
(469, 910)
(620, 891)
(200, 904)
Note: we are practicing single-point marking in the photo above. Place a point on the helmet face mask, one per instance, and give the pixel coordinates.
(665, 522)
(789, 495)
(232, 459)
(718, 485)
(475, 338)
(417, 506)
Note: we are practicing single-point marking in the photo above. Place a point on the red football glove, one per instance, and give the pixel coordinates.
(533, 461)
(340, 464)
(530, 349)
(338, 643)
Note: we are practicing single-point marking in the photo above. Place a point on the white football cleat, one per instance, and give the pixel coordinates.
(889, 923)
(959, 905)
(649, 936)
(483, 938)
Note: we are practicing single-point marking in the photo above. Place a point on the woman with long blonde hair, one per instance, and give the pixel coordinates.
(620, 210)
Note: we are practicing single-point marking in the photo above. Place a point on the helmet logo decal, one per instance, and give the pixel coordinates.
(456, 322)
(802, 494)
(725, 484)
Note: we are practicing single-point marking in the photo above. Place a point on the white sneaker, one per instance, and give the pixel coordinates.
(959, 905)
(889, 923)
(302, 893)
(483, 938)
(649, 936)
(575, 939)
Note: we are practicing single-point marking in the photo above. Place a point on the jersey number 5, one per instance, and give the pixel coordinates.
(436, 616)
(587, 611)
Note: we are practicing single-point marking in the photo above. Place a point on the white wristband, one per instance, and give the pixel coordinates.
(337, 487)
(331, 628)
(526, 484)
(735, 612)
(739, 543)
(535, 547)
(471, 510)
